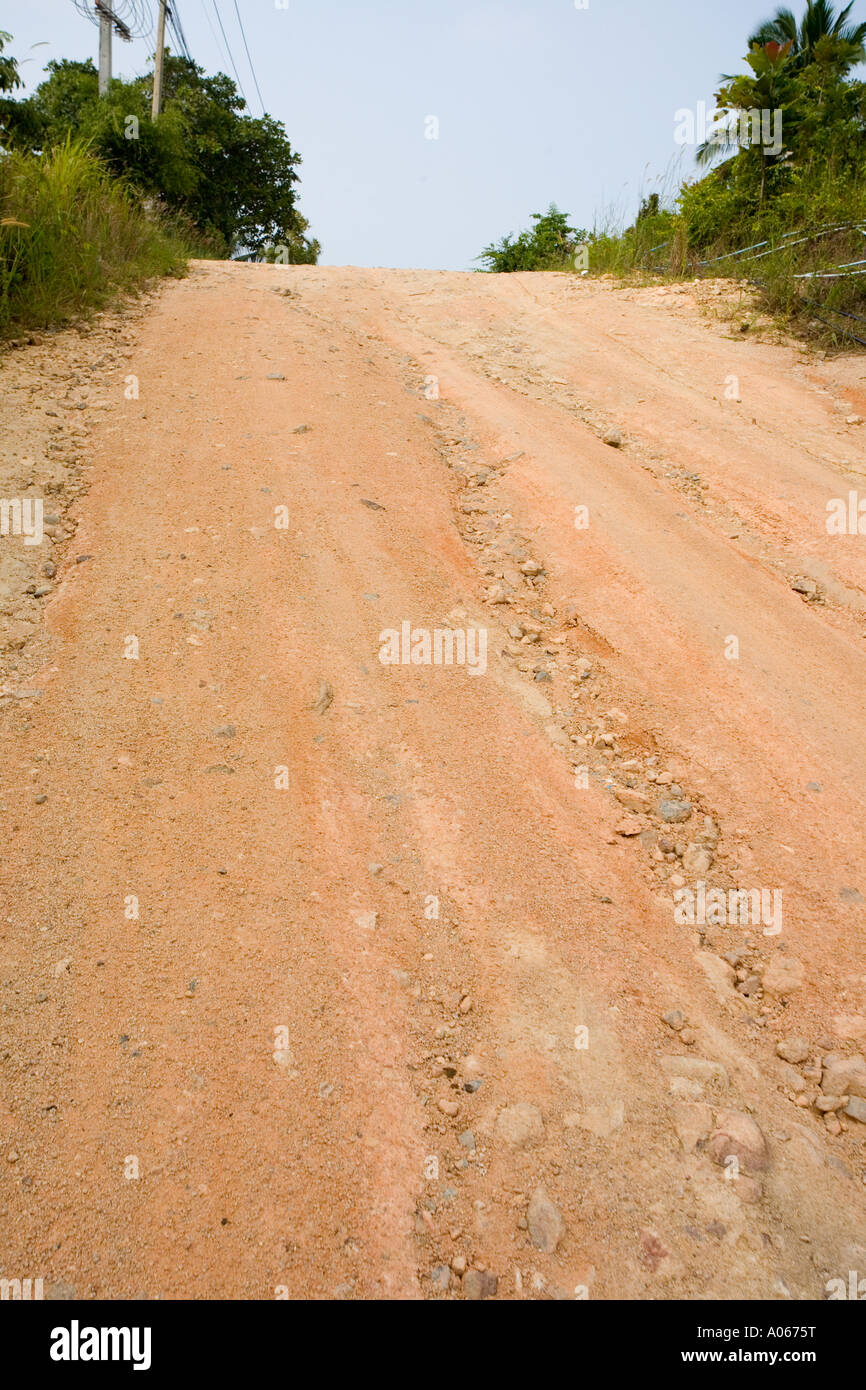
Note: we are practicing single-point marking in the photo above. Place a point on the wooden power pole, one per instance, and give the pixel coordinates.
(157, 61)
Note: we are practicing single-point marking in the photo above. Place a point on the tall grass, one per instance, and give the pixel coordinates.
(814, 224)
(71, 238)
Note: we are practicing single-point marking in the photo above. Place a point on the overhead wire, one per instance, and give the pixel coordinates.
(173, 18)
(249, 59)
(228, 50)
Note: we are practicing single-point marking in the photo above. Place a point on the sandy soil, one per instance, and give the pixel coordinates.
(322, 977)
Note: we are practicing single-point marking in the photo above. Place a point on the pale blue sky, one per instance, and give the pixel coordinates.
(536, 101)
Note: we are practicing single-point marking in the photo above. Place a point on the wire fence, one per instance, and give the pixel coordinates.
(786, 243)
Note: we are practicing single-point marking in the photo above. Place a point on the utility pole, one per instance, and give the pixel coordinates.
(108, 21)
(157, 61)
(104, 49)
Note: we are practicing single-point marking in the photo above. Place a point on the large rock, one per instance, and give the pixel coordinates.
(739, 1136)
(546, 1226)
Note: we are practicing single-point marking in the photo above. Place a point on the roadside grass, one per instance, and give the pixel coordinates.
(789, 252)
(72, 238)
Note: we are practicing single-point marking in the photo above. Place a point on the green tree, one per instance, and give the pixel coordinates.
(769, 95)
(820, 22)
(233, 175)
(549, 245)
(9, 77)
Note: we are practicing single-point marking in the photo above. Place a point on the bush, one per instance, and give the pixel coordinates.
(71, 237)
(549, 245)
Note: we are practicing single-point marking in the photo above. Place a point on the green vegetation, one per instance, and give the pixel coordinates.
(549, 245)
(8, 67)
(787, 179)
(97, 198)
(231, 174)
(71, 237)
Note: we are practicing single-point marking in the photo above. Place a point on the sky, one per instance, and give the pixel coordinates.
(530, 102)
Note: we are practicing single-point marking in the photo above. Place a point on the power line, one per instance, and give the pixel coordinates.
(228, 50)
(129, 18)
(249, 59)
(177, 28)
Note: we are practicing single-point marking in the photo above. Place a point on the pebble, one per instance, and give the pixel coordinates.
(783, 975)
(613, 438)
(694, 1069)
(458, 1264)
(323, 698)
(448, 1107)
(480, 1284)
(697, 860)
(844, 1076)
(629, 826)
(720, 975)
(827, 1104)
(520, 1126)
(40, 798)
(792, 1078)
(794, 1049)
(692, 1123)
(674, 1019)
(856, 1109)
(545, 1222)
(440, 1278)
(632, 800)
(674, 811)
(749, 986)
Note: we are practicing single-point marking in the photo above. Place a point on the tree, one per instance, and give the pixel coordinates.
(767, 96)
(549, 245)
(9, 77)
(820, 21)
(233, 175)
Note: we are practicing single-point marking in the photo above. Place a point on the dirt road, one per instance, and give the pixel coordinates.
(329, 975)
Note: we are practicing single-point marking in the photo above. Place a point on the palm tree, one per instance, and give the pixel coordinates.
(819, 21)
